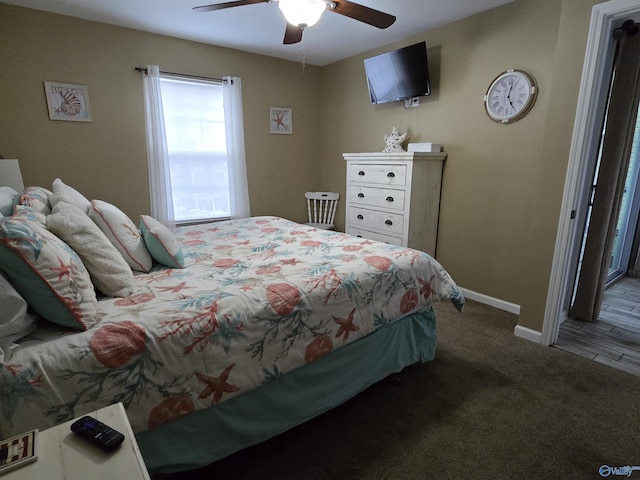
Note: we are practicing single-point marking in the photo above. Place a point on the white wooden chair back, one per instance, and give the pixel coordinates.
(321, 207)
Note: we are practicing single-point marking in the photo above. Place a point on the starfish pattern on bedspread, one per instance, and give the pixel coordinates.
(346, 325)
(216, 386)
(258, 298)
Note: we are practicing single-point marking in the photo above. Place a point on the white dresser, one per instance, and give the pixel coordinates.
(394, 197)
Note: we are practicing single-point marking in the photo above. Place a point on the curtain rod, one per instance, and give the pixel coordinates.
(217, 80)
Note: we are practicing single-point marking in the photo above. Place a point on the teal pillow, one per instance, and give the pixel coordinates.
(161, 242)
(47, 273)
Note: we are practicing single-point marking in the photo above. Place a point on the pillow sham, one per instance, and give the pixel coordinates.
(35, 197)
(122, 233)
(7, 198)
(29, 214)
(16, 321)
(108, 270)
(47, 273)
(65, 193)
(161, 242)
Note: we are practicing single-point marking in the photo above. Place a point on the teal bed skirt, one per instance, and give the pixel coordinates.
(208, 435)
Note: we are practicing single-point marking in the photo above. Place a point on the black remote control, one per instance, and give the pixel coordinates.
(97, 433)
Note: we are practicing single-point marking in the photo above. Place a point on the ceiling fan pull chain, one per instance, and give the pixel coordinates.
(304, 58)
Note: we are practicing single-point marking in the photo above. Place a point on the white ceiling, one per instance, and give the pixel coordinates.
(259, 28)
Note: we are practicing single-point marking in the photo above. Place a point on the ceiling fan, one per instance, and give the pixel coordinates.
(304, 13)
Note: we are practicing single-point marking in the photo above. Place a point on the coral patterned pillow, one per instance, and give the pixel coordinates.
(161, 242)
(47, 273)
(122, 233)
(29, 214)
(37, 198)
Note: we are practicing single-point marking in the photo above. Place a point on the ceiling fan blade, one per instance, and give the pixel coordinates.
(292, 34)
(220, 6)
(364, 14)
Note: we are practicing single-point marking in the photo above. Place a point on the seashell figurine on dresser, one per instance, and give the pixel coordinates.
(394, 141)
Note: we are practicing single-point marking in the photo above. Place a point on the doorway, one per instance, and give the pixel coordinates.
(609, 225)
(606, 17)
(602, 325)
(624, 254)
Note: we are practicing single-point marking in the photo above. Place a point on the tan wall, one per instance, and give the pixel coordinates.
(502, 184)
(107, 158)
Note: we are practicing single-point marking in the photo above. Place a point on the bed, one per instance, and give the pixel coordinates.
(269, 324)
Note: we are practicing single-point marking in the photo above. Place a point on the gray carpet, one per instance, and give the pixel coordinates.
(489, 406)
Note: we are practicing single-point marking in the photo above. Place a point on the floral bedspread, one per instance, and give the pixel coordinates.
(258, 298)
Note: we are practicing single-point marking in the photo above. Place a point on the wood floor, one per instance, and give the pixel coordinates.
(614, 339)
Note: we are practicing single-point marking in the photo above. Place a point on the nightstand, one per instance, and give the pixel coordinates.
(62, 455)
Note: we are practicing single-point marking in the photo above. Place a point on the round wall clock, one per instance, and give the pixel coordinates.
(510, 96)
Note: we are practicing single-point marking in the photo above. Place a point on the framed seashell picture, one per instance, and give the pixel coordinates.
(68, 102)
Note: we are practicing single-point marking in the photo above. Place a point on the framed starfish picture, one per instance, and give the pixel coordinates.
(280, 120)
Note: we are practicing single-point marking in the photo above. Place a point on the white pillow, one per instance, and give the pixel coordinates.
(7, 198)
(122, 233)
(16, 321)
(108, 270)
(65, 193)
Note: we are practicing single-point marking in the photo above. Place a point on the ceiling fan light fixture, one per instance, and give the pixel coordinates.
(302, 13)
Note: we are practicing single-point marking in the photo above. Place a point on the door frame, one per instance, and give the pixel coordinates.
(605, 17)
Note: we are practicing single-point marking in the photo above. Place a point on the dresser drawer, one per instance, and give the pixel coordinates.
(378, 237)
(382, 174)
(378, 197)
(391, 223)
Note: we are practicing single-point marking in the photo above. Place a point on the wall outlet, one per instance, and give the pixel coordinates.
(411, 102)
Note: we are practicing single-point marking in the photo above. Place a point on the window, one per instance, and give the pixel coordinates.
(196, 142)
(195, 148)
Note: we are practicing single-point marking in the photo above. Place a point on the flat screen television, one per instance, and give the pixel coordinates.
(399, 74)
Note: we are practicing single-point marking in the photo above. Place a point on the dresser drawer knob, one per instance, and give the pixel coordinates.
(391, 174)
(359, 236)
(361, 195)
(388, 222)
(361, 173)
(360, 217)
(389, 199)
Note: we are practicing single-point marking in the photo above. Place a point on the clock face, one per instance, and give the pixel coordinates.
(510, 96)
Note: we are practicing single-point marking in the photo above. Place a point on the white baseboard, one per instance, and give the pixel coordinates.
(491, 301)
(528, 334)
(518, 331)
